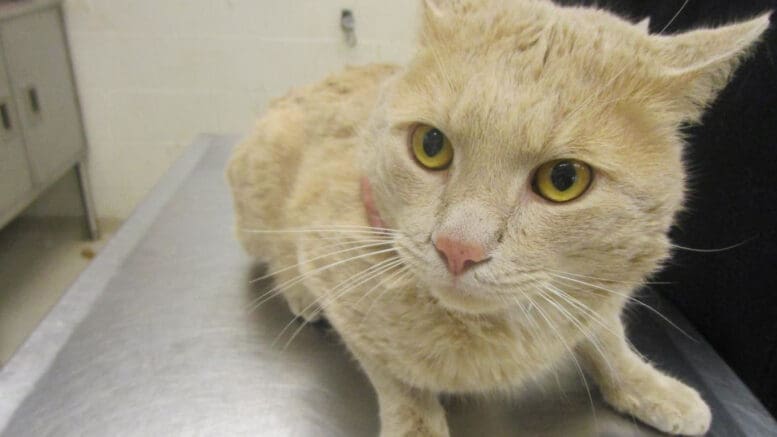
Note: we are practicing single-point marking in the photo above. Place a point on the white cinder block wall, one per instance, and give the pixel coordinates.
(152, 74)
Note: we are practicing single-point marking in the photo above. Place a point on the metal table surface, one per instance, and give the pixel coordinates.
(155, 339)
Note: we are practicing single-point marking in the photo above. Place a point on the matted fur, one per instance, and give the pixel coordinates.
(513, 84)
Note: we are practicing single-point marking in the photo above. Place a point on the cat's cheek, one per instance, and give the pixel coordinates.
(373, 215)
(410, 185)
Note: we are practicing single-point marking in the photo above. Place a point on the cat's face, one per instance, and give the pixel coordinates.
(528, 147)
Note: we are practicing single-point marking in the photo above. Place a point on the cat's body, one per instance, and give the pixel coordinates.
(328, 194)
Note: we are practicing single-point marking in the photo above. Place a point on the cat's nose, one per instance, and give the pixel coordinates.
(459, 255)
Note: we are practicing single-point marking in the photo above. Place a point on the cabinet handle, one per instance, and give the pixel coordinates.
(5, 116)
(32, 94)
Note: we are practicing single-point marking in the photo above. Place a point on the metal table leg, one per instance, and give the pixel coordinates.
(85, 188)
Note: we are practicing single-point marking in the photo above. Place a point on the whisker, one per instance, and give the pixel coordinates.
(323, 229)
(276, 289)
(323, 305)
(722, 249)
(614, 281)
(330, 299)
(674, 17)
(534, 330)
(339, 238)
(632, 299)
(585, 309)
(372, 243)
(403, 273)
(317, 300)
(574, 358)
(367, 293)
(587, 333)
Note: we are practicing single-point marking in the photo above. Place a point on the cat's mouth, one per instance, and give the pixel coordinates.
(459, 297)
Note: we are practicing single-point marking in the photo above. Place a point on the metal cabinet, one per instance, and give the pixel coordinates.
(39, 70)
(40, 123)
(15, 177)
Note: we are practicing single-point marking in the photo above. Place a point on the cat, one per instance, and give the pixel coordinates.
(470, 220)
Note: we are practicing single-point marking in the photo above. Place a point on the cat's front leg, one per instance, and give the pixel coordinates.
(406, 411)
(632, 386)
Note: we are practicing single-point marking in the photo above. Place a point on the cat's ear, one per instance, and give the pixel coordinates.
(695, 66)
(439, 17)
(439, 9)
(644, 24)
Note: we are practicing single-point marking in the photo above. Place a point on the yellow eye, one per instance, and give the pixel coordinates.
(431, 147)
(562, 180)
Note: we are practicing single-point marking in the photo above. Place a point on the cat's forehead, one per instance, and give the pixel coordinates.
(527, 102)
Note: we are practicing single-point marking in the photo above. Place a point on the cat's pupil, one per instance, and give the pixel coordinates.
(563, 175)
(433, 142)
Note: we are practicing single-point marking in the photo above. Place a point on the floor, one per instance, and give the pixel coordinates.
(39, 259)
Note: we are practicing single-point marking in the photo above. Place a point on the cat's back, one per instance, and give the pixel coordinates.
(294, 134)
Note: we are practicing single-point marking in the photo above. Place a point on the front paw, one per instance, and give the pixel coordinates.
(415, 413)
(418, 427)
(662, 402)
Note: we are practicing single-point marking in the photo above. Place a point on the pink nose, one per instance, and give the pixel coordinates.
(458, 255)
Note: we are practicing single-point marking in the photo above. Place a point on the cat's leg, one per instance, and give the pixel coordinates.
(634, 387)
(406, 411)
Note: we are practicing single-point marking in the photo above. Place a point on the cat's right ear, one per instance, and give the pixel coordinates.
(644, 24)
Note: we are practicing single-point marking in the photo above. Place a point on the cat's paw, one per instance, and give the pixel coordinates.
(662, 402)
(416, 427)
(304, 306)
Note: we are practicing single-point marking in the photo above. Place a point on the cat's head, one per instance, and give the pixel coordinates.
(529, 147)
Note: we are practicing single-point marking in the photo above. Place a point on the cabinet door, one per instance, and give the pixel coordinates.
(15, 180)
(42, 85)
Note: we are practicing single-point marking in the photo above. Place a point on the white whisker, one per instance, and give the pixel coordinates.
(324, 229)
(276, 289)
(574, 358)
(315, 302)
(584, 308)
(591, 337)
(392, 263)
(372, 243)
(674, 17)
(632, 299)
(722, 249)
(403, 273)
(614, 281)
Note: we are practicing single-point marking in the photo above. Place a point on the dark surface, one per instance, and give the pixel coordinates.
(730, 295)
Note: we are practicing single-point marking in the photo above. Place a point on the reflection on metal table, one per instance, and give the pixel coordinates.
(155, 338)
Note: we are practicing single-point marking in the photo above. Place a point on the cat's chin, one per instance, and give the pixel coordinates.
(466, 301)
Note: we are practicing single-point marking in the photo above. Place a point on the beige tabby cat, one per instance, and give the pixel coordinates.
(472, 219)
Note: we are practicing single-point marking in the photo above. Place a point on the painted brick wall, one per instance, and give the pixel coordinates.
(153, 74)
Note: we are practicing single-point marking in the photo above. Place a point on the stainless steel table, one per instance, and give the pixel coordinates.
(155, 339)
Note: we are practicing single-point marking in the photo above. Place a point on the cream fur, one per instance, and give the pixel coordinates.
(513, 84)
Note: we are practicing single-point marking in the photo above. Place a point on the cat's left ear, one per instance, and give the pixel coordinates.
(695, 66)
(441, 8)
(440, 17)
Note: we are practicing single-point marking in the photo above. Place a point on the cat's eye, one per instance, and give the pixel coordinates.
(431, 148)
(562, 180)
